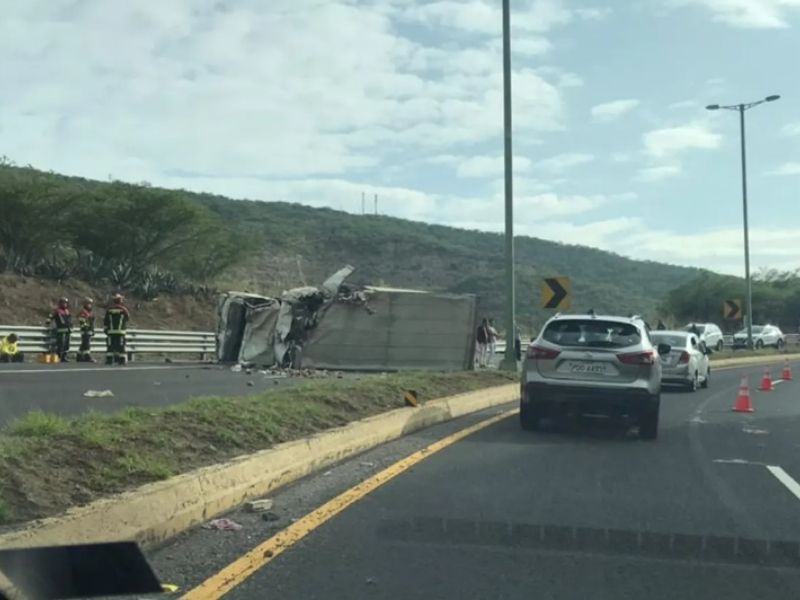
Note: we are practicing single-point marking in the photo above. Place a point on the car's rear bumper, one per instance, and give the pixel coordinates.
(678, 374)
(564, 399)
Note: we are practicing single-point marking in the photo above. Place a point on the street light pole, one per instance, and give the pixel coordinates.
(748, 281)
(741, 108)
(509, 360)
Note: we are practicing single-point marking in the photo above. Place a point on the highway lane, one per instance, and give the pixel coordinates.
(585, 510)
(60, 388)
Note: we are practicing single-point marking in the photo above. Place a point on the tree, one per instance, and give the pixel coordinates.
(138, 227)
(34, 212)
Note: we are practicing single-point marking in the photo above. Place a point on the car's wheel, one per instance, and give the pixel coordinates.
(529, 417)
(707, 380)
(759, 344)
(720, 346)
(693, 384)
(648, 422)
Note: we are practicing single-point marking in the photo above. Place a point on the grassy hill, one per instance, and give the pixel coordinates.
(290, 245)
(303, 245)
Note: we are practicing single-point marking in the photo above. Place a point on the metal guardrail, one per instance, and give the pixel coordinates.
(138, 341)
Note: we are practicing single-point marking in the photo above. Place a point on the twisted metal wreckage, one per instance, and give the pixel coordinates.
(342, 326)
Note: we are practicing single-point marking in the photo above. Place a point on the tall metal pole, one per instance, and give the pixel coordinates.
(749, 283)
(509, 361)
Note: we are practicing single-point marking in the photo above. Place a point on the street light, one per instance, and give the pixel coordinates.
(509, 360)
(741, 108)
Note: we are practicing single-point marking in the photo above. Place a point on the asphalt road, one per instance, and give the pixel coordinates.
(60, 388)
(585, 510)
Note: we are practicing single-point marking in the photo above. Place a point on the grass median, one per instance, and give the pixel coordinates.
(744, 353)
(49, 463)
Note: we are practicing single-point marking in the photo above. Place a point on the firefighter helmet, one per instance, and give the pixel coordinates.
(87, 301)
(117, 298)
(63, 301)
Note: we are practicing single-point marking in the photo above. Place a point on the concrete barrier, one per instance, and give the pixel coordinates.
(158, 511)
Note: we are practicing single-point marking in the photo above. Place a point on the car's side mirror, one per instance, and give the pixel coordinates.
(664, 349)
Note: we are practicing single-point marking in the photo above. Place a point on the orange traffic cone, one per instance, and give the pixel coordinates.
(743, 403)
(766, 381)
(787, 371)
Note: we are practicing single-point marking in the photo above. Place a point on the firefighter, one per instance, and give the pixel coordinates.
(9, 349)
(86, 324)
(61, 322)
(115, 326)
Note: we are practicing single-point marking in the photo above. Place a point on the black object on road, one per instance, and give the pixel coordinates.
(79, 571)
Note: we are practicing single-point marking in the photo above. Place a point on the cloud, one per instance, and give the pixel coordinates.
(657, 173)
(561, 162)
(747, 14)
(791, 129)
(684, 104)
(621, 157)
(786, 169)
(190, 87)
(489, 166)
(672, 141)
(610, 111)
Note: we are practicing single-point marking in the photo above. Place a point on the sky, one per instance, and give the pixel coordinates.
(319, 101)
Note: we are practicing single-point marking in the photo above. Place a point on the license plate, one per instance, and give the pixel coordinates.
(595, 368)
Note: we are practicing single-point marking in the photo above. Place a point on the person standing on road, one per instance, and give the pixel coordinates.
(492, 330)
(661, 326)
(86, 324)
(9, 349)
(61, 322)
(115, 326)
(482, 341)
(517, 344)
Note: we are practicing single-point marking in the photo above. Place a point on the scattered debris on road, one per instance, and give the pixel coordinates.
(169, 588)
(236, 368)
(259, 505)
(250, 383)
(98, 394)
(270, 516)
(222, 525)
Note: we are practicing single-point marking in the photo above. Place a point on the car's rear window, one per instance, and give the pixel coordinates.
(592, 333)
(698, 328)
(676, 341)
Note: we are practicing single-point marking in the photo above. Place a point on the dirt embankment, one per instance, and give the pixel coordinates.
(28, 300)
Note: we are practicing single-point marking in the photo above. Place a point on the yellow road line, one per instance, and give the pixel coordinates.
(243, 567)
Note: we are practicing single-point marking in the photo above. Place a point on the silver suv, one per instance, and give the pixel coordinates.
(591, 364)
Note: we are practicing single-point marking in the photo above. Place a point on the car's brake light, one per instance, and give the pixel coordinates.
(638, 358)
(684, 358)
(541, 353)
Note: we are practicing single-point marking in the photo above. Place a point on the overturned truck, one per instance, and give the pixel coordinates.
(340, 326)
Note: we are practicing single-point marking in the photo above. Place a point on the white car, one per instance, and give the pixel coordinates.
(763, 335)
(687, 361)
(708, 333)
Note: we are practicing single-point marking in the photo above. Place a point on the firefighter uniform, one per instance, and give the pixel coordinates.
(115, 325)
(86, 324)
(61, 321)
(9, 349)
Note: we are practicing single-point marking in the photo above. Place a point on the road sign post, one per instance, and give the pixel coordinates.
(556, 293)
(732, 310)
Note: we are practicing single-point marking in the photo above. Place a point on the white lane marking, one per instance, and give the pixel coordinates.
(754, 430)
(736, 461)
(92, 369)
(785, 479)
